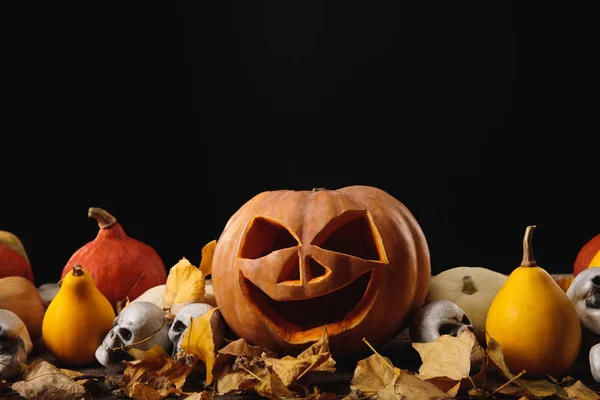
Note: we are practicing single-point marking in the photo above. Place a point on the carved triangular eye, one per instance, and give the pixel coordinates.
(264, 236)
(352, 233)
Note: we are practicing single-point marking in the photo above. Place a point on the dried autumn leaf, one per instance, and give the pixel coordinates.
(185, 284)
(154, 378)
(579, 391)
(227, 355)
(376, 375)
(272, 387)
(207, 255)
(156, 351)
(538, 388)
(204, 395)
(43, 381)
(448, 361)
(243, 375)
(316, 357)
(198, 340)
(80, 377)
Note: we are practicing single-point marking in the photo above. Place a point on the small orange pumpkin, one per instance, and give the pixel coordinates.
(122, 267)
(288, 263)
(588, 256)
(13, 258)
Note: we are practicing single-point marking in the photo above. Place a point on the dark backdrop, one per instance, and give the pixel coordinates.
(477, 116)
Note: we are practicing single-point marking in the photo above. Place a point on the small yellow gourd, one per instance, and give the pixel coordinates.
(77, 319)
(534, 321)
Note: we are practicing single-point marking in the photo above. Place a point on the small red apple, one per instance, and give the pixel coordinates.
(588, 256)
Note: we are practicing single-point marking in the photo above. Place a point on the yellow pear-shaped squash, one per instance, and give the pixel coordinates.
(534, 321)
(77, 319)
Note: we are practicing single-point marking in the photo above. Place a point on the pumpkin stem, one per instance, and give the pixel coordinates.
(318, 189)
(77, 270)
(104, 218)
(528, 260)
(468, 285)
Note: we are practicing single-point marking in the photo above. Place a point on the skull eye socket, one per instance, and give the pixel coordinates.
(465, 320)
(179, 327)
(125, 334)
(264, 236)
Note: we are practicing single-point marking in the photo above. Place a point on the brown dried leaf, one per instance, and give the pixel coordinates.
(496, 356)
(579, 391)
(243, 375)
(538, 388)
(241, 347)
(204, 395)
(156, 351)
(376, 375)
(449, 362)
(447, 356)
(198, 340)
(80, 377)
(43, 381)
(272, 387)
(154, 378)
(408, 386)
(207, 255)
(316, 357)
(185, 284)
(373, 374)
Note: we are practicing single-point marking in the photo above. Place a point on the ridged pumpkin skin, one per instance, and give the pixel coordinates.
(588, 256)
(535, 322)
(77, 319)
(120, 265)
(13, 258)
(289, 262)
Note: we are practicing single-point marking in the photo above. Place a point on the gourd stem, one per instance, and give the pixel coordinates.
(468, 285)
(104, 218)
(528, 260)
(77, 270)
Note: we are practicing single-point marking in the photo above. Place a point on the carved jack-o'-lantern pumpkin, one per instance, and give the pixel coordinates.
(288, 263)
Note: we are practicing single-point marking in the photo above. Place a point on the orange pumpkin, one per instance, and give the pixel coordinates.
(13, 258)
(122, 267)
(288, 263)
(588, 256)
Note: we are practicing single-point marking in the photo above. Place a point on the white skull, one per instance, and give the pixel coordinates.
(15, 345)
(140, 325)
(182, 321)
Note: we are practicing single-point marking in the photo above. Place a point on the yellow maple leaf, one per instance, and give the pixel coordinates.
(198, 340)
(185, 283)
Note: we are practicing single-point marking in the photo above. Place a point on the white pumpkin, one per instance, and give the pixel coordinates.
(470, 288)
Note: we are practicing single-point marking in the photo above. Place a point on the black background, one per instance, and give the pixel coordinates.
(480, 117)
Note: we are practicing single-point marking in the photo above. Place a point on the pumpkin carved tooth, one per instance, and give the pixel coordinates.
(290, 262)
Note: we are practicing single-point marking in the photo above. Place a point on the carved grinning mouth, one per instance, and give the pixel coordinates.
(306, 314)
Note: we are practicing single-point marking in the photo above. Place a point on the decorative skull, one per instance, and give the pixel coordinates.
(15, 345)
(182, 320)
(140, 325)
(440, 317)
